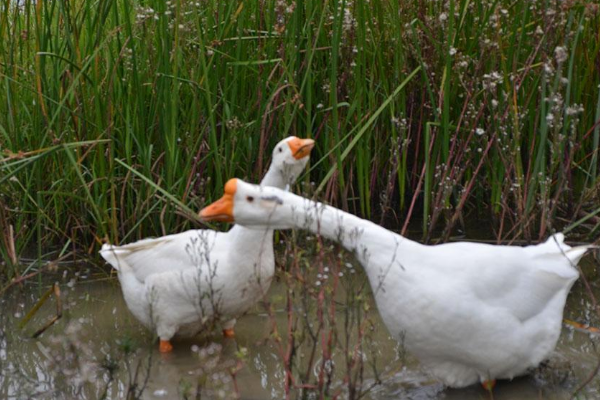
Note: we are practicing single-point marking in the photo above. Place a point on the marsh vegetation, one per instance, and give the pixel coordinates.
(117, 116)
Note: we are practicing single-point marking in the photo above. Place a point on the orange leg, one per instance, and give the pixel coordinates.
(165, 346)
(489, 385)
(228, 333)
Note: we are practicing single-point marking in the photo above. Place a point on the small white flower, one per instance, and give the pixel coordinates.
(443, 17)
(479, 131)
(560, 54)
(575, 109)
(452, 51)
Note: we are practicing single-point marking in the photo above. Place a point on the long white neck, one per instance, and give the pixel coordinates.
(274, 177)
(375, 247)
(332, 223)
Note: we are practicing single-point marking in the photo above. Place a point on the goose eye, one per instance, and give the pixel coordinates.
(280, 149)
(250, 199)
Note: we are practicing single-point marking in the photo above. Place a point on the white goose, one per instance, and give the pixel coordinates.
(469, 312)
(176, 284)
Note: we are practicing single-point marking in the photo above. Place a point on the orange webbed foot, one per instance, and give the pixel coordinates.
(165, 346)
(228, 333)
(489, 384)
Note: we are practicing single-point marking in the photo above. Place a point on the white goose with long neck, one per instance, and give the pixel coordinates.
(470, 312)
(177, 284)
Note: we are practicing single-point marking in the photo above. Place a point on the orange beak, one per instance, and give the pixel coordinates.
(301, 147)
(222, 209)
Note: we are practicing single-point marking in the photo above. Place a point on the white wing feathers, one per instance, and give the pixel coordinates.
(550, 271)
(117, 255)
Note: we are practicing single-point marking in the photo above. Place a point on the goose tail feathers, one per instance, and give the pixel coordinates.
(117, 255)
(554, 252)
(114, 256)
(575, 254)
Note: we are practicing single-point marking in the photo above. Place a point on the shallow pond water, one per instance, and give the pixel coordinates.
(97, 349)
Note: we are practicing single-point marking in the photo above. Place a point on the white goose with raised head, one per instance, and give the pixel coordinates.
(469, 312)
(175, 284)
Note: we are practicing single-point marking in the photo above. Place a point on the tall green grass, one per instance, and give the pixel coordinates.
(113, 112)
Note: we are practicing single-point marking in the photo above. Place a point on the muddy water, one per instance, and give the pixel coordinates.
(97, 349)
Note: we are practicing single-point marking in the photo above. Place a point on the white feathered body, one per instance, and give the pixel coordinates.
(472, 312)
(469, 312)
(177, 284)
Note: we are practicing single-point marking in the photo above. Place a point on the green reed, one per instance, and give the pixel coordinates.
(117, 117)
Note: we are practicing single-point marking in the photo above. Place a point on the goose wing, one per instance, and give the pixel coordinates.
(521, 281)
(167, 253)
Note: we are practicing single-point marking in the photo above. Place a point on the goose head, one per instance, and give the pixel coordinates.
(290, 156)
(249, 205)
